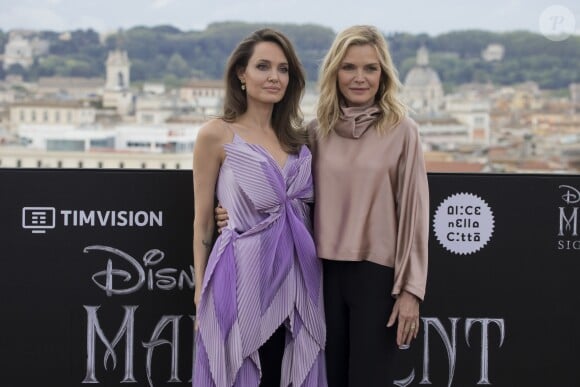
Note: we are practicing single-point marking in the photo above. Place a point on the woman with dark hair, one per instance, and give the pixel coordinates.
(258, 294)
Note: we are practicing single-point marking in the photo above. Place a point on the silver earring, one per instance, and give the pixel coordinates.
(243, 86)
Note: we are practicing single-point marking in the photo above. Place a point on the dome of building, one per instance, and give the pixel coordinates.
(422, 88)
(421, 76)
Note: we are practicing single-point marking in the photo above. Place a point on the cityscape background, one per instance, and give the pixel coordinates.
(495, 87)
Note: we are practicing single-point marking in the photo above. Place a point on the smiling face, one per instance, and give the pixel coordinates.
(267, 74)
(359, 75)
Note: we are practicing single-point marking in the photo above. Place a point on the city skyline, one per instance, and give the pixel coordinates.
(412, 16)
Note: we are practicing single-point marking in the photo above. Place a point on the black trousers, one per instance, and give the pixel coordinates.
(271, 354)
(360, 349)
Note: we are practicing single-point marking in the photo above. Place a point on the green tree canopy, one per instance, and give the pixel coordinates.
(166, 52)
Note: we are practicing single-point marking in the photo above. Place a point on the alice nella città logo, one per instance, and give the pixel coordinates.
(463, 223)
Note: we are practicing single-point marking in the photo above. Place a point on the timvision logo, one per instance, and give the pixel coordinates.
(41, 219)
(568, 218)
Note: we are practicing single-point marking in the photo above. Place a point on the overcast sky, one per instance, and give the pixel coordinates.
(414, 16)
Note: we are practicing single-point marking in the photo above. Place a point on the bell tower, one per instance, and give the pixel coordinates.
(117, 93)
(118, 71)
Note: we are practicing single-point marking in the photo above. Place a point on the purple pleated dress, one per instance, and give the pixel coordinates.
(262, 272)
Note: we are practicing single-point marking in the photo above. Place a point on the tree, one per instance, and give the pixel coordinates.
(177, 66)
(157, 52)
(16, 69)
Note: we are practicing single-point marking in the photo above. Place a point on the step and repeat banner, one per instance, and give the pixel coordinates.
(97, 280)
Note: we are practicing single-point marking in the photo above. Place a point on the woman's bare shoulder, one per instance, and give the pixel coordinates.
(215, 131)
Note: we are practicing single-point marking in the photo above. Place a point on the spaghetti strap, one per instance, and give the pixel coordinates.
(236, 138)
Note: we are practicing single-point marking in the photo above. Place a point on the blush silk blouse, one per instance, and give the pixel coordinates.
(372, 197)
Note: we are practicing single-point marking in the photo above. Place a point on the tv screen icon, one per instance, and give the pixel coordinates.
(38, 219)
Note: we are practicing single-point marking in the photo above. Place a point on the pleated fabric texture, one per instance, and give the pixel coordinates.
(263, 272)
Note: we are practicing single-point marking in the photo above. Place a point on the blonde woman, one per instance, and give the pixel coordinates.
(371, 218)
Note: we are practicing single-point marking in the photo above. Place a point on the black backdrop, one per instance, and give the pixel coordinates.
(96, 280)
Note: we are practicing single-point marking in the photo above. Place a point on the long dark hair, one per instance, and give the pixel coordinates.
(287, 117)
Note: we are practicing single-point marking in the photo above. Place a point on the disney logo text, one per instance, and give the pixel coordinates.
(163, 279)
(571, 196)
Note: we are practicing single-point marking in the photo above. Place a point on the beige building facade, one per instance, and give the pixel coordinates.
(49, 113)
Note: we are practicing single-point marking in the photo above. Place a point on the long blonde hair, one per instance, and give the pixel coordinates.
(328, 110)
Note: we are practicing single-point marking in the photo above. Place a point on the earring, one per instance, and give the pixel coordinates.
(243, 86)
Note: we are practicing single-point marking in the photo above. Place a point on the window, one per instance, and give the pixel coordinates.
(120, 80)
(104, 143)
(138, 144)
(65, 145)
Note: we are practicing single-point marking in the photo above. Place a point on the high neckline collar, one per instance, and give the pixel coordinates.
(354, 121)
